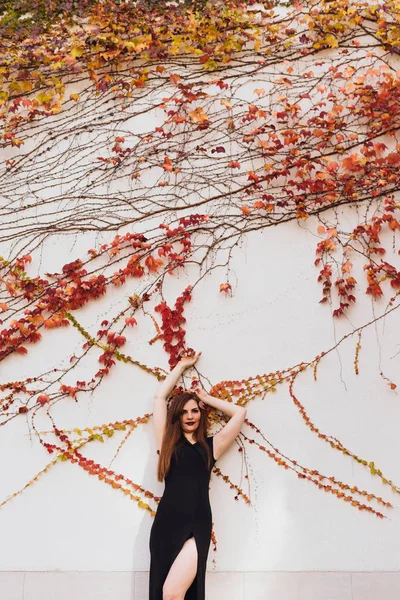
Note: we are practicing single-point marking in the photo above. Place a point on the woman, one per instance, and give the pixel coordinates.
(181, 531)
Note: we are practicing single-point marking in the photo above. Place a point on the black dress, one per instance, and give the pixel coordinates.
(184, 511)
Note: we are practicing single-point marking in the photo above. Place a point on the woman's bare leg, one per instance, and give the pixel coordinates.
(182, 572)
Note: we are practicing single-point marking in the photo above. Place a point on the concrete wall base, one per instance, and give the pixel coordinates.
(132, 585)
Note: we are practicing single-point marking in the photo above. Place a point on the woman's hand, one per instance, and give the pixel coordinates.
(201, 394)
(188, 359)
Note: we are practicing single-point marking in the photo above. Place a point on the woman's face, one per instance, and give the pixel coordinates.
(190, 416)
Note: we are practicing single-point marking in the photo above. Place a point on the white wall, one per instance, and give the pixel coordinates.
(70, 521)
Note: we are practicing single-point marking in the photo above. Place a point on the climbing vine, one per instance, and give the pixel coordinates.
(179, 128)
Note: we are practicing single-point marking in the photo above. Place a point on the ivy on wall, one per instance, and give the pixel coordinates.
(264, 113)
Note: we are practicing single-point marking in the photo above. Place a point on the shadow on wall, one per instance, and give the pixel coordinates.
(141, 551)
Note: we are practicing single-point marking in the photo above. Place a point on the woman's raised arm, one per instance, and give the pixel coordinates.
(224, 438)
(162, 393)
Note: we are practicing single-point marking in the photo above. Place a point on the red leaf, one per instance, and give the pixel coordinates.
(43, 399)
(120, 340)
(130, 321)
(218, 149)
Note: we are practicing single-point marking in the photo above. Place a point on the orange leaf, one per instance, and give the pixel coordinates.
(198, 115)
(167, 166)
(346, 267)
(351, 162)
(231, 124)
(175, 78)
(332, 166)
(153, 263)
(252, 176)
(225, 287)
(245, 210)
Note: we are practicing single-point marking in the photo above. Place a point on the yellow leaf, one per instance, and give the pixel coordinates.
(328, 40)
(76, 52)
(331, 41)
(43, 97)
(14, 87)
(56, 65)
(74, 97)
(227, 104)
(26, 86)
(211, 64)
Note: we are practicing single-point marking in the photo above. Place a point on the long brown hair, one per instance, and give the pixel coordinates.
(173, 432)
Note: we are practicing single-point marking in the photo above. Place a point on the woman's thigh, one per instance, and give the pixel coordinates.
(183, 570)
